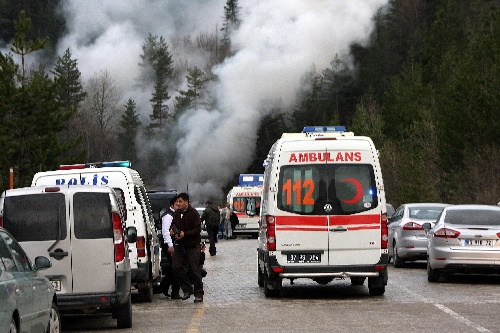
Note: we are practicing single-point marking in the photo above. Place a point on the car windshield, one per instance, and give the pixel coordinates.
(473, 216)
(425, 213)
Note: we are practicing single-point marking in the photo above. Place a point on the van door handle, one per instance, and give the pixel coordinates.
(338, 229)
(58, 254)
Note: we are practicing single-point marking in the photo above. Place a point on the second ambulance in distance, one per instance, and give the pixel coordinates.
(323, 214)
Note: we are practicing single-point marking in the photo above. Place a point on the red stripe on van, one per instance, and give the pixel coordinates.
(322, 221)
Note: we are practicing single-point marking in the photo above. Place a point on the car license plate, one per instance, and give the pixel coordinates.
(56, 284)
(478, 242)
(241, 226)
(303, 258)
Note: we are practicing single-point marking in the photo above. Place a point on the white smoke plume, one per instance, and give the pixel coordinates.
(276, 43)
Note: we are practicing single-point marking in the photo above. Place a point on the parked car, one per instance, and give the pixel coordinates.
(465, 239)
(407, 238)
(28, 301)
(390, 210)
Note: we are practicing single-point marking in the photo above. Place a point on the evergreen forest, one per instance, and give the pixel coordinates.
(425, 88)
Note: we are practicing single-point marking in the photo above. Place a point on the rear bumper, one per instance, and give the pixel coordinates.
(275, 270)
(95, 302)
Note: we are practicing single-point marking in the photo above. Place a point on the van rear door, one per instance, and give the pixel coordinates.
(92, 243)
(38, 220)
(328, 196)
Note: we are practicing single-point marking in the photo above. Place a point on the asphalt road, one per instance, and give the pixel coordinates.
(233, 302)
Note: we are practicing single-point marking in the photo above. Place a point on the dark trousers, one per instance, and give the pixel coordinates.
(212, 238)
(168, 277)
(191, 256)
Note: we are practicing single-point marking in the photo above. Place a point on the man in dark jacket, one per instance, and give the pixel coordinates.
(187, 232)
(211, 216)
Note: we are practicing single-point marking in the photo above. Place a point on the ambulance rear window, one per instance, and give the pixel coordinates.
(327, 189)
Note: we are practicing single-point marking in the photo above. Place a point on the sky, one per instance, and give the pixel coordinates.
(276, 44)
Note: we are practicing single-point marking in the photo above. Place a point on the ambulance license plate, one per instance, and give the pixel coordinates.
(303, 258)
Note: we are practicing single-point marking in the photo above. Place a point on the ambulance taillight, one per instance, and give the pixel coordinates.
(384, 241)
(270, 232)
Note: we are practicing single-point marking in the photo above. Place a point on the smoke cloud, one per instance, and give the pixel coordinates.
(276, 43)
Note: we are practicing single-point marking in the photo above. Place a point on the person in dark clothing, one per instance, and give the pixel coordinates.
(167, 250)
(211, 216)
(186, 229)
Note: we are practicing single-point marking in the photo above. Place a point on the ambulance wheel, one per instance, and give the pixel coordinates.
(272, 287)
(260, 276)
(376, 291)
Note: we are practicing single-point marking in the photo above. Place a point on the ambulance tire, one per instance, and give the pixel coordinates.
(398, 261)
(260, 276)
(275, 284)
(376, 285)
(376, 291)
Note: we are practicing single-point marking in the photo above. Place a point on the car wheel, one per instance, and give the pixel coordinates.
(124, 314)
(357, 281)
(260, 276)
(433, 275)
(54, 325)
(398, 261)
(13, 326)
(376, 291)
(275, 284)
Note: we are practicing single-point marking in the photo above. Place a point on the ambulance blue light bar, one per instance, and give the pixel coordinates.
(323, 129)
(123, 164)
(247, 179)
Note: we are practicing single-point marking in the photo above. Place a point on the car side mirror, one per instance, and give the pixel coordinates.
(427, 226)
(42, 262)
(131, 234)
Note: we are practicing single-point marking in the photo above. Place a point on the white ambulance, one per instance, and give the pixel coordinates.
(145, 253)
(245, 202)
(323, 214)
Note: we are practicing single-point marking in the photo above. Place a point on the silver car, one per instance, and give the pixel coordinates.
(27, 298)
(465, 239)
(407, 238)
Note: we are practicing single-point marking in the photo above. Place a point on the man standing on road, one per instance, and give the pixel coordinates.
(168, 249)
(187, 232)
(225, 215)
(211, 216)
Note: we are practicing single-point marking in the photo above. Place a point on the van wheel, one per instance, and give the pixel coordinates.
(124, 314)
(147, 293)
(357, 281)
(275, 284)
(260, 276)
(433, 275)
(54, 325)
(398, 261)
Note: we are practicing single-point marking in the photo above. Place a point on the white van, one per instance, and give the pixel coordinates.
(81, 229)
(145, 254)
(245, 202)
(323, 211)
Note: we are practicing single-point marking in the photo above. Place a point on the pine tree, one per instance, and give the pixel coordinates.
(163, 69)
(231, 23)
(130, 124)
(191, 98)
(66, 71)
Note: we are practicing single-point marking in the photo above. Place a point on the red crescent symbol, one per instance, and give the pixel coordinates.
(359, 191)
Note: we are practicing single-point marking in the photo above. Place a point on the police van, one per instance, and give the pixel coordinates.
(323, 211)
(145, 253)
(245, 202)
